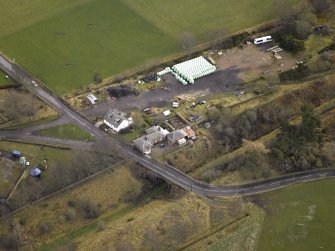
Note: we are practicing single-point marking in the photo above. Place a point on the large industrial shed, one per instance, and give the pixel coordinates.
(186, 72)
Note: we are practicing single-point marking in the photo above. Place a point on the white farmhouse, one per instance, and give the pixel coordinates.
(117, 120)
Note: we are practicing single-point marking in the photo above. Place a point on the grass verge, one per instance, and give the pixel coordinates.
(67, 131)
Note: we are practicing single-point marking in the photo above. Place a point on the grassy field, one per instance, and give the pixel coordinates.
(299, 217)
(316, 43)
(67, 48)
(106, 190)
(66, 42)
(36, 154)
(4, 80)
(199, 17)
(67, 131)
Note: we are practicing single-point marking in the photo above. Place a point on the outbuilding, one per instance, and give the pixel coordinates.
(166, 113)
(16, 154)
(35, 172)
(92, 98)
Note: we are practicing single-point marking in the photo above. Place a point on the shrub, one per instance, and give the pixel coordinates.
(71, 203)
(290, 43)
(45, 227)
(101, 225)
(90, 209)
(295, 74)
(70, 215)
(328, 48)
(10, 242)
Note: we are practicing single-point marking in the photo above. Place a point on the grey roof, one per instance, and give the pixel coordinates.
(35, 172)
(115, 117)
(156, 129)
(154, 135)
(176, 135)
(143, 145)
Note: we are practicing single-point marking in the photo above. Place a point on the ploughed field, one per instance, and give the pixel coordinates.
(65, 43)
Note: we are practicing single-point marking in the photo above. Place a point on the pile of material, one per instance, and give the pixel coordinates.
(190, 70)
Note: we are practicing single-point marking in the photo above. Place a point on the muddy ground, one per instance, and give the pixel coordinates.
(234, 66)
(222, 80)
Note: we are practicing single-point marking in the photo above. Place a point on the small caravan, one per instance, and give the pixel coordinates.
(263, 40)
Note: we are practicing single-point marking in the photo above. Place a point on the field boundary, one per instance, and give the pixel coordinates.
(216, 230)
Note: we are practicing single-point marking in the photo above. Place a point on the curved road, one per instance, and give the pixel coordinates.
(105, 143)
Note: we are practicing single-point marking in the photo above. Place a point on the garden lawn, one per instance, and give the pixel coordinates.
(67, 131)
(299, 217)
(65, 42)
(35, 154)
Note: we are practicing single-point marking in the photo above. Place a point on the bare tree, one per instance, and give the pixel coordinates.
(303, 29)
(187, 41)
(19, 105)
(216, 37)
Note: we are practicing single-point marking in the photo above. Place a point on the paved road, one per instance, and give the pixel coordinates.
(105, 142)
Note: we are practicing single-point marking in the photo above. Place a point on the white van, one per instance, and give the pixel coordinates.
(263, 40)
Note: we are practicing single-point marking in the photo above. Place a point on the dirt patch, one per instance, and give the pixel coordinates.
(254, 60)
(121, 91)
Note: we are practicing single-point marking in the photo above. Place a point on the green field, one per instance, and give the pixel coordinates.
(4, 80)
(67, 131)
(65, 42)
(299, 217)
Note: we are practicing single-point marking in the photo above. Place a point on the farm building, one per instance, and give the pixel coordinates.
(16, 154)
(179, 136)
(154, 135)
(117, 120)
(92, 98)
(186, 72)
(35, 172)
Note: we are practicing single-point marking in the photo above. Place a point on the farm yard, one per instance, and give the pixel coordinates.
(66, 43)
(233, 68)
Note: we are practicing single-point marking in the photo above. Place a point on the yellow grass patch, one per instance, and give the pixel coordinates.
(106, 190)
